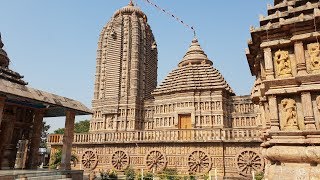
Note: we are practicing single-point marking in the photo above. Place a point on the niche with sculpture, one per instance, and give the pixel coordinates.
(313, 62)
(283, 66)
(288, 115)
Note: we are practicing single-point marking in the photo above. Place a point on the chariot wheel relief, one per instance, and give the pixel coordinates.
(199, 162)
(156, 161)
(89, 159)
(248, 161)
(120, 160)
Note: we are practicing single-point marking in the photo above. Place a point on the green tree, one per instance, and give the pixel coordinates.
(44, 135)
(57, 159)
(79, 127)
(59, 131)
(82, 126)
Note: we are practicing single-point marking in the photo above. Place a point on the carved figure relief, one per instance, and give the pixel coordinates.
(289, 115)
(282, 64)
(247, 161)
(314, 59)
(318, 102)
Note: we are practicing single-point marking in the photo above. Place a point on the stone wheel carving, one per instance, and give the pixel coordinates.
(156, 161)
(199, 162)
(89, 159)
(249, 160)
(120, 160)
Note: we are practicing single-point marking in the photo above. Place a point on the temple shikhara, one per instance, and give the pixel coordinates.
(192, 121)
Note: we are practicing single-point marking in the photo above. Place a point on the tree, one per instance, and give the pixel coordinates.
(79, 127)
(59, 131)
(57, 159)
(44, 135)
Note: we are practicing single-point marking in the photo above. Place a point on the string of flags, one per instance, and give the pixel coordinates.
(173, 16)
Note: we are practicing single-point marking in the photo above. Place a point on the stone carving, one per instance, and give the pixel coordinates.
(314, 53)
(289, 115)
(199, 162)
(156, 161)
(120, 160)
(249, 160)
(89, 159)
(318, 102)
(282, 64)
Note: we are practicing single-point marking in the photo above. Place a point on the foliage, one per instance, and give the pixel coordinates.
(169, 174)
(56, 159)
(82, 126)
(108, 175)
(44, 135)
(259, 176)
(146, 176)
(59, 131)
(130, 173)
(79, 127)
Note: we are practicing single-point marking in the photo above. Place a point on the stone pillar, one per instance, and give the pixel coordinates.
(33, 154)
(67, 140)
(301, 61)
(2, 102)
(309, 120)
(268, 63)
(274, 117)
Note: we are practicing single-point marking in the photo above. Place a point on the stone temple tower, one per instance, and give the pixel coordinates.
(126, 71)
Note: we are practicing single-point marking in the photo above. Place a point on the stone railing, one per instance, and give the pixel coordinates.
(177, 135)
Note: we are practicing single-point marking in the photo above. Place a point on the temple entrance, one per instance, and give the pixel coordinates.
(184, 125)
(185, 121)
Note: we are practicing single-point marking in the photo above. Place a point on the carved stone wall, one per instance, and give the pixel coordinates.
(285, 60)
(196, 158)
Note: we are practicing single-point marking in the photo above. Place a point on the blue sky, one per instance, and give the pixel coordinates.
(53, 43)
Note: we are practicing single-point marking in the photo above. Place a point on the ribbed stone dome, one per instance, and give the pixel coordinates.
(195, 72)
(195, 55)
(129, 9)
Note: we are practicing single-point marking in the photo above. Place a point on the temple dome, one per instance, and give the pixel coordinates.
(129, 9)
(195, 55)
(194, 73)
(4, 60)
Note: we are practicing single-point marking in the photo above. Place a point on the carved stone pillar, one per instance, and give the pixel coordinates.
(67, 140)
(301, 61)
(273, 109)
(268, 63)
(309, 120)
(2, 101)
(33, 155)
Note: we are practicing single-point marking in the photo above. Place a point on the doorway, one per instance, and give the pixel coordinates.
(185, 121)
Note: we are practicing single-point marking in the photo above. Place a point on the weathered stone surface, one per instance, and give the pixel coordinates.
(192, 121)
(288, 33)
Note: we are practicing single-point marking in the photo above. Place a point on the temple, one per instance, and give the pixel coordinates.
(192, 121)
(284, 55)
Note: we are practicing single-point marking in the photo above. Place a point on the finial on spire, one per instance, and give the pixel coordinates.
(131, 3)
(1, 43)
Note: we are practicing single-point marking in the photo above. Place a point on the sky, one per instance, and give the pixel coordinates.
(54, 43)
